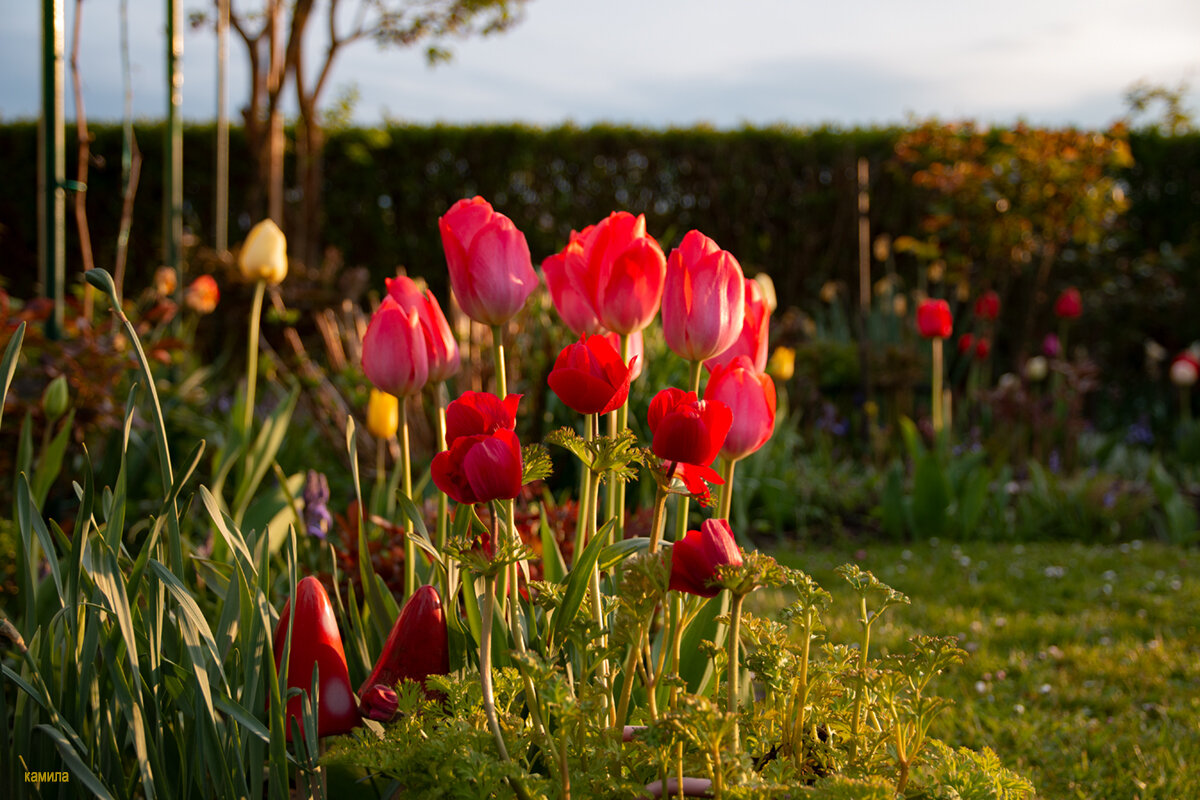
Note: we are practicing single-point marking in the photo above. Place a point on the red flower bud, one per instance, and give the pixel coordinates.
(316, 641)
(1069, 304)
(685, 429)
(590, 377)
(750, 396)
(1185, 369)
(379, 703)
(480, 468)
(417, 645)
(694, 559)
(475, 413)
(441, 348)
(394, 355)
(987, 306)
(983, 349)
(753, 339)
(934, 320)
(965, 343)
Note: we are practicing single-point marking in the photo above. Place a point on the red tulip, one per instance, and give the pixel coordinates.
(316, 641)
(934, 320)
(1069, 304)
(983, 349)
(625, 269)
(491, 272)
(750, 395)
(417, 646)
(394, 356)
(479, 468)
(752, 341)
(1185, 369)
(379, 703)
(686, 429)
(441, 348)
(695, 558)
(202, 294)
(696, 479)
(704, 299)
(987, 305)
(965, 343)
(590, 377)
(475, 413)
(636, 354)
(565, 279)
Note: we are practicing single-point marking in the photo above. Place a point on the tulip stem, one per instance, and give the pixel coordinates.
(485, 663)
(443, 518)
(937, 385)
(498, 361)
(735, 634)
(410, 549)
(508, 585)
(252, 359)
(726, 503)
(658, 521)
(622, 424)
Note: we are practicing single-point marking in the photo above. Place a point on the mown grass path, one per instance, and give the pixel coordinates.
(1085, 660)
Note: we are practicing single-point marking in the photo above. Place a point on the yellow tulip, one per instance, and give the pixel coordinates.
(782, 364)
(264, 254)
(383, 414)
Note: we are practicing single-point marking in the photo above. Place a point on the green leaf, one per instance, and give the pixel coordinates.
(570, 440)
(554, 566)
(50, 461)
(577, 583)
(617, 552)
(538, 465)
(262, 453)
(931, 497)
(30, 519)
(75, 764)
(8, 365)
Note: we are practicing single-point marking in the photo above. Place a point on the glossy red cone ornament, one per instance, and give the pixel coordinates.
(686, 429)
(934, 320)
(751, 398)
(491, 272)
(417, 646)
(590, 377)
(694, 559)
(316, 641)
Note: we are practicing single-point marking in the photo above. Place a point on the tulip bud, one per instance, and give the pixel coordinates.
(782, 365)
(696, 557)
(590, 377)
(1185, 369)
(490, 268)
(1036, 369)
(55, 398)
(264, 254)
(1069, 304)
(704, 298)
(202, 295)
(934, 320)
(394, 356)
(750, 396)
(379, 703)
(685, 429)
(383, 414)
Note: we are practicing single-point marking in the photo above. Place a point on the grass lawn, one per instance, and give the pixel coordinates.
(1084, 673)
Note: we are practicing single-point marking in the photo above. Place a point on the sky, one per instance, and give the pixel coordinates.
(664, 63)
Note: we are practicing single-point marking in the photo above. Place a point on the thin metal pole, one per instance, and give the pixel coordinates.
(173, 147)
(52, 170)
(221, 238)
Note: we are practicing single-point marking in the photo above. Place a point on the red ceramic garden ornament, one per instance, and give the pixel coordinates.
(704, 299)
(686, 429)
(316, 641)
(491, 272)
(417, 645)
(394, 354)
(590, 377)
(695, 558)
(934, 320)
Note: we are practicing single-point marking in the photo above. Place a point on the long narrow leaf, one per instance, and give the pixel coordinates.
(8, 365)
(50, 460)
(75, 764)
(577, 583)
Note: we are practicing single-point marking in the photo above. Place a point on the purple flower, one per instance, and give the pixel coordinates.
(317, 519)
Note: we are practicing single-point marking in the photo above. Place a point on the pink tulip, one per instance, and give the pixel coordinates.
(623, 279)
(564, 273)
(752, 341)
(441, 347)
(750, 395)
(696, 557)
(636, 354)
(491, 272)
(394, 357)
(703, 303)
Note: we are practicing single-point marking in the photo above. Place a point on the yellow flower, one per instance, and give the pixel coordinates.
(782, 364)
(899, 305)
(829, 291)
(383, 414)
(264, 254)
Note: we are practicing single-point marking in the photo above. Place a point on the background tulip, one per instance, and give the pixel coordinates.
(704, 299)
(934, 320)
(394, 357)
(417, 646)
(480, 468)
(383, 414)
(686, 429)
(441, 348)
(264, 254)
(1069, 304)
(636, 351)
(564, 273)
(987, 306)
(750, 396)
(491, 271)
(696, 557)
(1185, 369)
(316, 641)
(202, 295)
(590, 377)
(752, 341)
